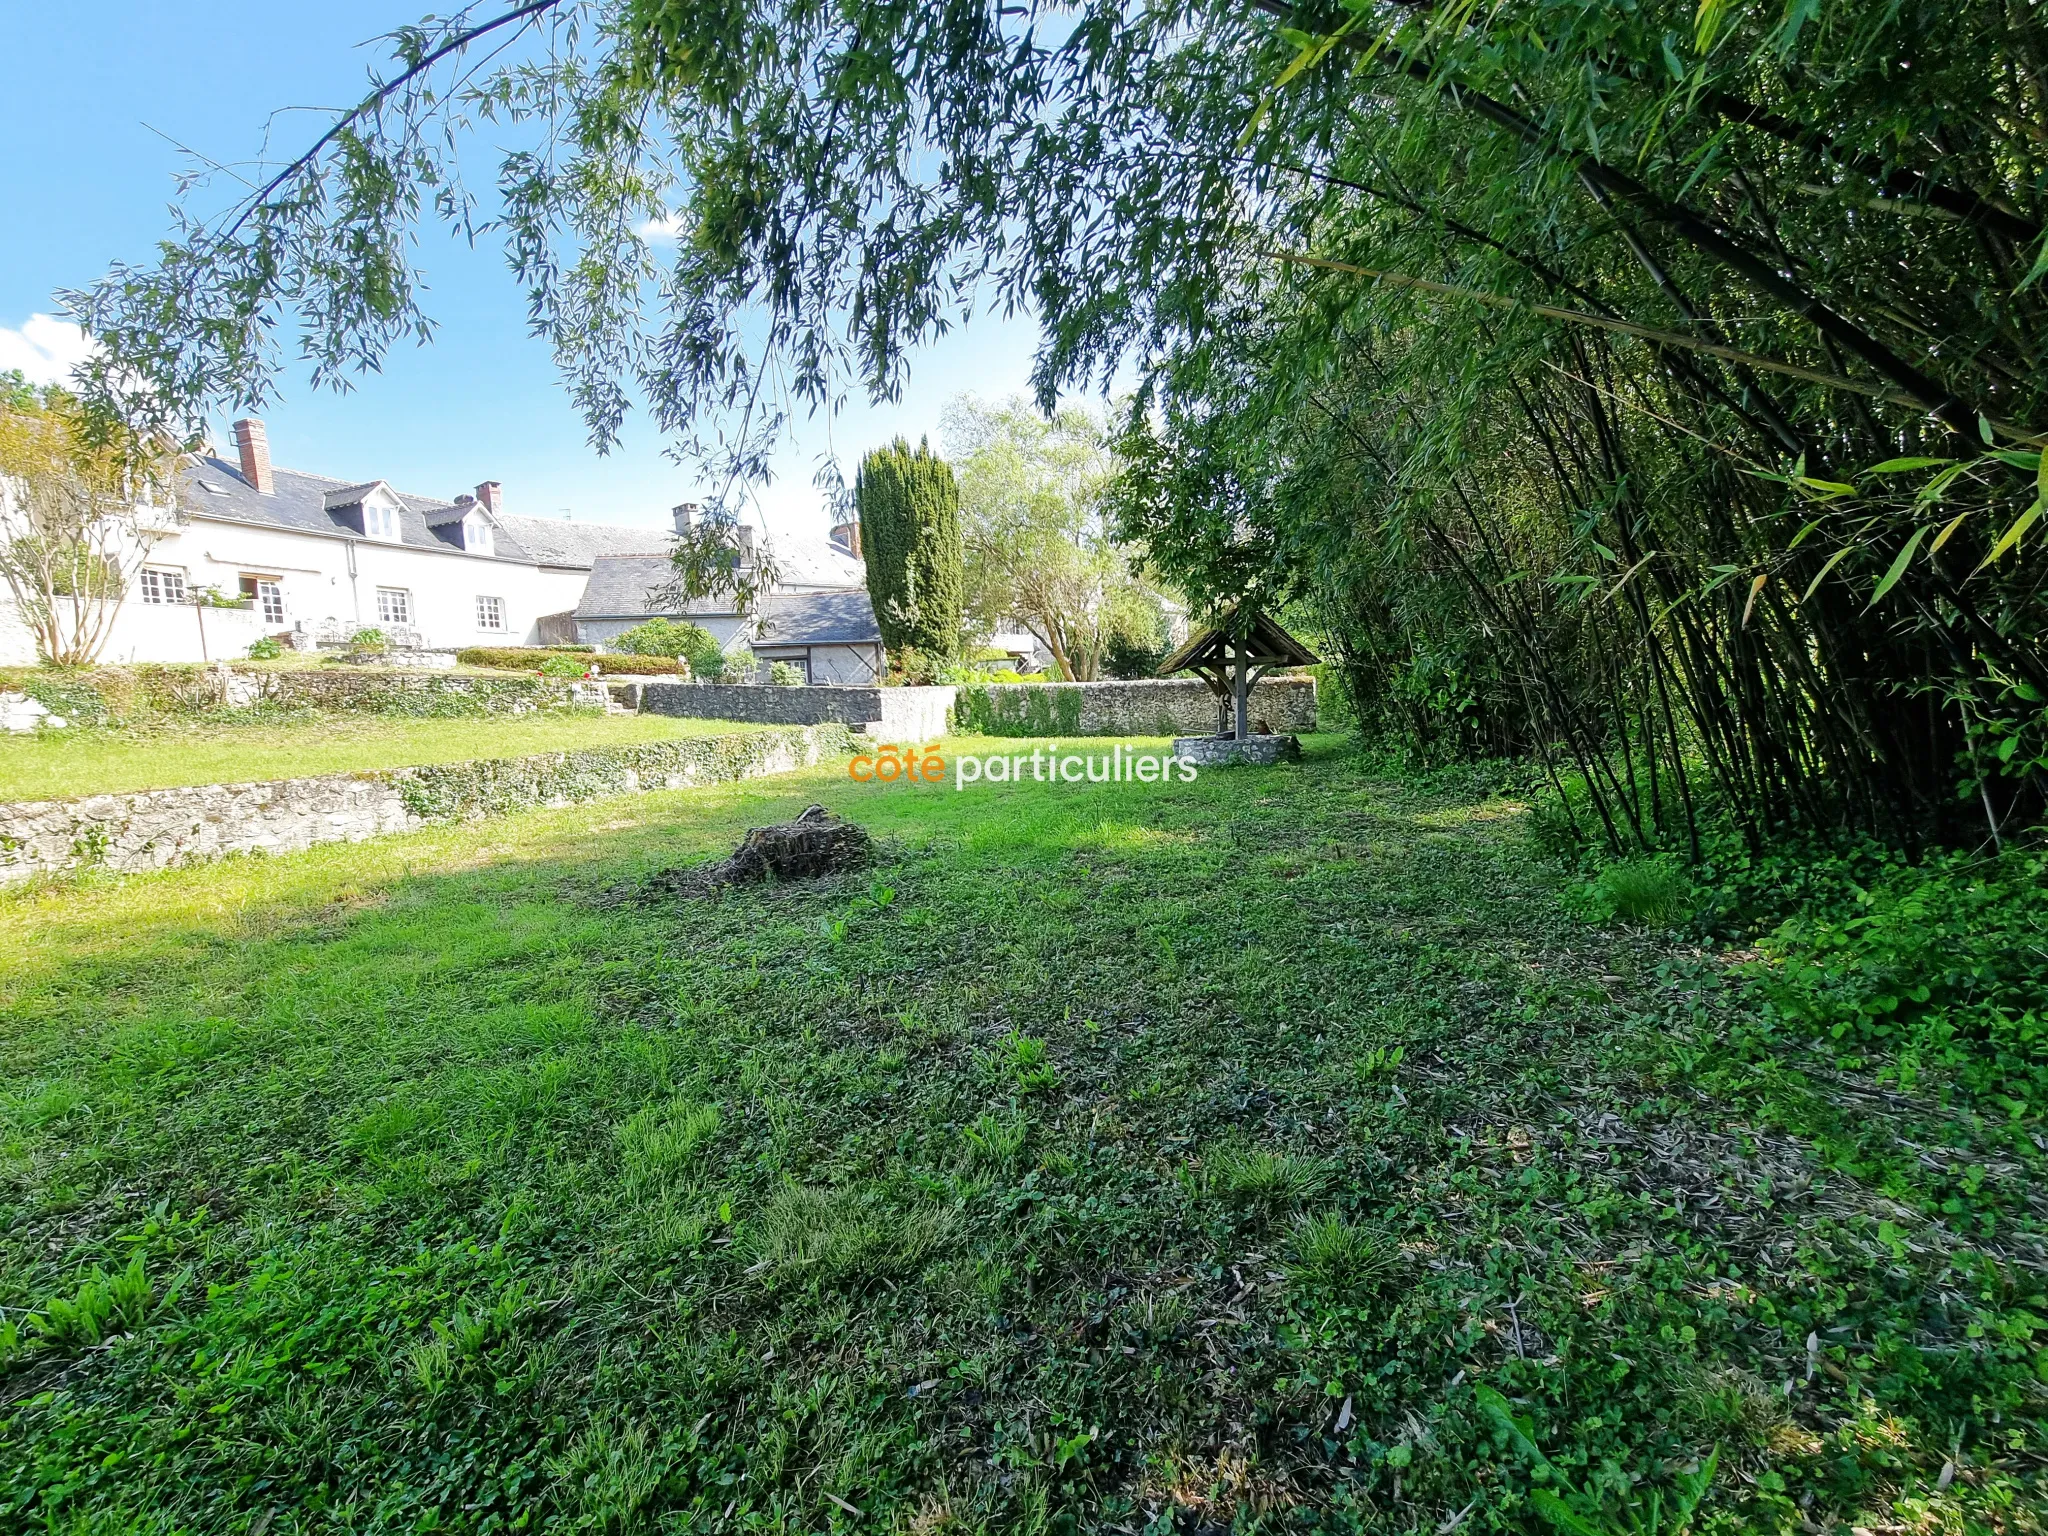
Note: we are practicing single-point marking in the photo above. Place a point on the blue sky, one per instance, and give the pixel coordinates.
(93, 133)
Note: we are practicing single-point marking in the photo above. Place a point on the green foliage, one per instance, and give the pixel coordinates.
(1585, 1513)
(1131, 657)
(104, 1304)
(658, 1143)
(786, 674)
(1038, 546)
(564, 666)
(1333, 1254)
(850, 1237)
(1653, 891)
(1255, 1175)
(1048, 709)
(516, 658)
(370, 642)
(666, 637)
(1934, 975)
(265, 648)
(909, 512)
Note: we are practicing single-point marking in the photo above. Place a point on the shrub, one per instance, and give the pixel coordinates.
(517, 658)
(1130, 659)
(265, 648)
(786, 674)
(564, 666)
(611, 665)
(372, 641)
(665, 637)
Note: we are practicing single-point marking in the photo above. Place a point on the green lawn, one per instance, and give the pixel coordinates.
(56, 764)
(1110, 1158)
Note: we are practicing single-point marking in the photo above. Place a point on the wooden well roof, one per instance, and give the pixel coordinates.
(1265, 644)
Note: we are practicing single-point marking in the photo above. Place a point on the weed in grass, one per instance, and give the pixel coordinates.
(1024, 1058)
(1379, 1061)
(1333, 1254)
(996, 1141)
(610, 1474)
(846, 1237)
(52, 1103)
(104, 1305)
(658, 1142)
(1587, 1510)
(1653, 892)
(1252, 1175)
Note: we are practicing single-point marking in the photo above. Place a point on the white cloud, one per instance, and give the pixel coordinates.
(660, 231)
(45, 349)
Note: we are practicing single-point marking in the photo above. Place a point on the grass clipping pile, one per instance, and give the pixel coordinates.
(816, 844)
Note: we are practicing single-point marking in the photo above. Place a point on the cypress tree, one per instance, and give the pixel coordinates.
(910, 538)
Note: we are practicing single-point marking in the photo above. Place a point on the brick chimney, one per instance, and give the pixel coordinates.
(686, 516)
(254, 446)
(492, 495)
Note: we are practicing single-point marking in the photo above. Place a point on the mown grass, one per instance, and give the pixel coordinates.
(58, 764)
(1105, 1158)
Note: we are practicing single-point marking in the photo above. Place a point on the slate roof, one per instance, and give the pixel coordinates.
(624, 587)
(301, 503)
(819, 618)
(556, 541)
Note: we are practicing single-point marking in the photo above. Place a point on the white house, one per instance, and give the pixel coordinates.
(254, 550)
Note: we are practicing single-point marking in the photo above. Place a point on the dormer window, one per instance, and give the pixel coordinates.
(476, 534)
(380, 520)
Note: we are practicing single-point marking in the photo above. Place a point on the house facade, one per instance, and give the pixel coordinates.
(254, 551)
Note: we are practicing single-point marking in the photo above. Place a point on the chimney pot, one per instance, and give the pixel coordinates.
(685, 515)
(492, 495)
(253, 444)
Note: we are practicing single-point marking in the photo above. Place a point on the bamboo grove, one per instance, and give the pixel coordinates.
(1651, 387)
(1557, 481)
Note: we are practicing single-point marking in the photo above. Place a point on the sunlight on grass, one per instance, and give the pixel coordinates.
(56, 764)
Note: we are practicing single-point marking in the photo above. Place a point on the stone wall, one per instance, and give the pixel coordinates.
(1156, 707)
(410, 693)
(892, 714)
(153, 829)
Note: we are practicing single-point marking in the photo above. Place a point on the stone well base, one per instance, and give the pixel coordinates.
(1221, 751)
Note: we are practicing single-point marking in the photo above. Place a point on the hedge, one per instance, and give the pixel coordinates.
(517, 658)
(621, 665)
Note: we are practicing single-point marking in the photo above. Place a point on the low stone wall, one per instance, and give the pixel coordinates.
(153, 829)
(1156, 707)
(410, 693)
(1228, 751)
(891, 714)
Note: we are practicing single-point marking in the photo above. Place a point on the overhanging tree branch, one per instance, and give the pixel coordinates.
(1944, 405)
